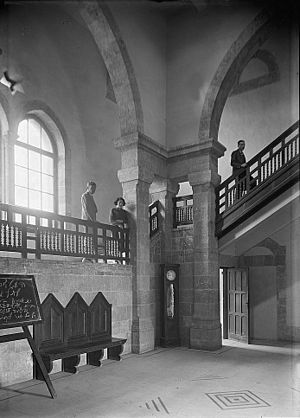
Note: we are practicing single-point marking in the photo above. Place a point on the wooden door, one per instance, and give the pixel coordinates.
(237, 286)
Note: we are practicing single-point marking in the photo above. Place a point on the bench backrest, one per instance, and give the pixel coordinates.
(76, 324)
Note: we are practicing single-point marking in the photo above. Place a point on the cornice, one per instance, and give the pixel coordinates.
(142, 141)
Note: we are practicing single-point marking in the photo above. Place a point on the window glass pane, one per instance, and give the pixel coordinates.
(47, 183)
(34, 180)
(34, 133)
(21, 176)
(21, 156)
(34, 160)
(34, 199)
(22, 131)
(47, 165)
(47, 202)
(21, 196)
(46, 143)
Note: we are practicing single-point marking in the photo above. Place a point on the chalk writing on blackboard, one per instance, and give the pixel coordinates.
(19, 301)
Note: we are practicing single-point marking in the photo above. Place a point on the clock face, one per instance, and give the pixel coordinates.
(171, 275)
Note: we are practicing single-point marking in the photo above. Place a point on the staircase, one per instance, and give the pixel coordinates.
(268, 174)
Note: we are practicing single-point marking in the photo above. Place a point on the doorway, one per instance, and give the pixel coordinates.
(234, 303)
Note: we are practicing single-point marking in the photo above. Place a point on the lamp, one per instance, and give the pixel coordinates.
(13, 85)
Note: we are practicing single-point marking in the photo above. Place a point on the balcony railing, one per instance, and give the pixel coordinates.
(32, 232)
(183, 210)
(154, 218)
(264, 167)
(278, 159)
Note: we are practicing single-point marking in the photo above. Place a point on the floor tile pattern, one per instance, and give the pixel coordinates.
(237, 400)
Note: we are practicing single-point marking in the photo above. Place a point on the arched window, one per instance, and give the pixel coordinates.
(35, 159)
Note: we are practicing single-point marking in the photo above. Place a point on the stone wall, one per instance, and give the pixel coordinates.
(182, 254)
(63, 279)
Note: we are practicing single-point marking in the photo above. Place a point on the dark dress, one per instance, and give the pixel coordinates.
(118, 217)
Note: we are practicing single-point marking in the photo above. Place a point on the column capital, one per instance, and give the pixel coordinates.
(201, 178)
(136, 173)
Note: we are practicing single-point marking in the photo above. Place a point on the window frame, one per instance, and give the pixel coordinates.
(53, 155)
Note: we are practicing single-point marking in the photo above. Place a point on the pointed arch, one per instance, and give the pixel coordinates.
(229, 71)
(107, 37)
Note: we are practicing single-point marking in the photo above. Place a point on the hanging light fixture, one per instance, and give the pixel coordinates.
(13, 85)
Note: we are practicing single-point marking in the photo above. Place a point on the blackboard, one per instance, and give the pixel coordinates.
(19, 301)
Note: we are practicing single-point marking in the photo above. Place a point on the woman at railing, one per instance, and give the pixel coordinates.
(119, 217)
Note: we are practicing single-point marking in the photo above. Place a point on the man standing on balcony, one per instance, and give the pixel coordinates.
(88, 205)
(89, 209)
(238, 161)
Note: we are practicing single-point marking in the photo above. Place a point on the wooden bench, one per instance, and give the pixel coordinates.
(66, 333)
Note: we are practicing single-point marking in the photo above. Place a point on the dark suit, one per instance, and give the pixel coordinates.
(237, 159)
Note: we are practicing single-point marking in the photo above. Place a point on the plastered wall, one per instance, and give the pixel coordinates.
(61, 68)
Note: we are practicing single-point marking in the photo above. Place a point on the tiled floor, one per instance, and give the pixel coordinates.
(237, 381)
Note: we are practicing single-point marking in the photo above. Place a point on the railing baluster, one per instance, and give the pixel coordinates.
(51, 235)
(268, 162)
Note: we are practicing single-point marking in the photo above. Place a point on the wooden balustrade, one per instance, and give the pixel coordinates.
(183, 210)
(154, 217)
(271, 161)
(27, 231)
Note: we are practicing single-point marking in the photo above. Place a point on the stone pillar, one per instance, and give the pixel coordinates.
(136, 185)
(205, 332)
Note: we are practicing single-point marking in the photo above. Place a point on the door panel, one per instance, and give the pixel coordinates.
(237, 292)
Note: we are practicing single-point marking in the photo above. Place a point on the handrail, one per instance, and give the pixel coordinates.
(268, 162)
(29, 231)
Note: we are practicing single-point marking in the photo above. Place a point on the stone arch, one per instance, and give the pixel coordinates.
(107, 37)
(271, 76)
(277, 259)
(276, 249)
(229, 71)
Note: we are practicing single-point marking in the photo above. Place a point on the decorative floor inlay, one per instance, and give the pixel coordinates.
(237, 400)
(157, 405)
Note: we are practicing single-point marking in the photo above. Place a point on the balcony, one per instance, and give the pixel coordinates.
(268, 174)
(42, 235)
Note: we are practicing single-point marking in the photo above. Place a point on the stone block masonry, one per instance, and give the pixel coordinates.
(63, 279)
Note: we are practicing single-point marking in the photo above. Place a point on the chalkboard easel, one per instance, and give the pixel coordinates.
(19, 307)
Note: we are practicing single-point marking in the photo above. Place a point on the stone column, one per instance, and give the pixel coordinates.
(205, 332)
(136, 185)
